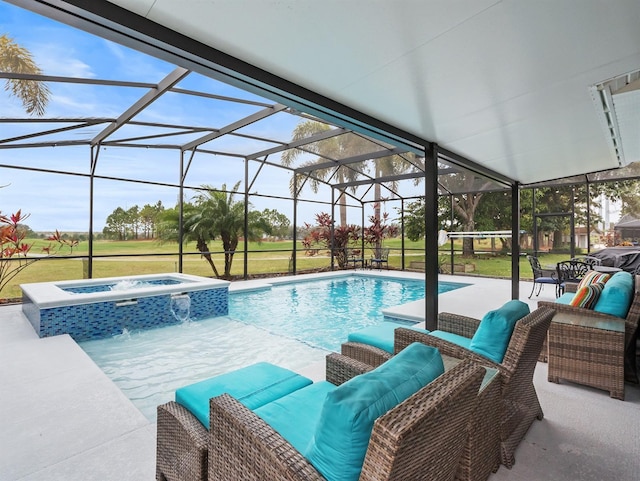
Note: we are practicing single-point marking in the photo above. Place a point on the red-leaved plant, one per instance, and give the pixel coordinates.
(14, 251)
(320, 234)
(344, 236)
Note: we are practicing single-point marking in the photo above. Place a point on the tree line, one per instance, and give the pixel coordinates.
(554, 207)
(145, 223)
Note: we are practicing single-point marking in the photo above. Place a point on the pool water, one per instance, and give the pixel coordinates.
(292, 325)
(124, 285)
(322, 313)
(148, 366)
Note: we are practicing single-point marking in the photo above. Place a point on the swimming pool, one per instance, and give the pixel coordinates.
(322, 313)
(293, 325)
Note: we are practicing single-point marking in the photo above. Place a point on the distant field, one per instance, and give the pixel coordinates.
(263, 258)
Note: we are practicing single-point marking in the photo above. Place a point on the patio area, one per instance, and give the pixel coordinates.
(62, 418)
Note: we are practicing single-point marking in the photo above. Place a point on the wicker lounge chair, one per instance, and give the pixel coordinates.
(421, 438)
(481, 453)
(585, 351)
(520, 405)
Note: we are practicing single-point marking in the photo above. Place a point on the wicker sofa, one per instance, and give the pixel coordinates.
(594, 348)
(519, 405)
(420, 438)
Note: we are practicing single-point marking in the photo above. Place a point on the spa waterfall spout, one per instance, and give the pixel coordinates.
(181, 306)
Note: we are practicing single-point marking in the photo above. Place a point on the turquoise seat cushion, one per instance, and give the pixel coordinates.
(296, 415)
(340, 441)
(379, 335)
(494, 332)
(616, 296)
(566, 298)
(253, 386)
(451, 337)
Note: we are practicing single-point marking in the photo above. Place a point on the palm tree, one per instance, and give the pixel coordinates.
(215, 213)
(333, 148)
(388, 167)
(16, 59)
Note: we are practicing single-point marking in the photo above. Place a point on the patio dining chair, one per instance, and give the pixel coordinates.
(592, 261)
(570, 271)
(354, 257)
(542, 276)
(380, 256)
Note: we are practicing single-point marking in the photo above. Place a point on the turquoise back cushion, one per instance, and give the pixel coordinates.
(616, 296)
(494, 332)
(340, 442)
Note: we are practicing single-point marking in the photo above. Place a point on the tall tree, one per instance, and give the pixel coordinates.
(133, 220)
(389, 167)
(625, 191)
(468, 191)
(149, 217)
(33, 94)
(333, 148)
(116, 224)
(271, 222)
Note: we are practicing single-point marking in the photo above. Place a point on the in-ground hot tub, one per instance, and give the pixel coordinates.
(97, 308)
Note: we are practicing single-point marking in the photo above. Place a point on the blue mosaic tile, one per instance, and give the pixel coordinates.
(98, 320)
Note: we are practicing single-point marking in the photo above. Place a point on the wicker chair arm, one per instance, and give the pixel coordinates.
(340, 368)
(571, 286)
(457, 324)
(181, 443)
(579, 311)
(430, 425)
(244, 447)
(371, 355)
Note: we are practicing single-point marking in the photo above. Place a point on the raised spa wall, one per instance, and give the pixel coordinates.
(53, 311)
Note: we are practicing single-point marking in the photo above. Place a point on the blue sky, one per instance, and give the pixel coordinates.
(60, 202)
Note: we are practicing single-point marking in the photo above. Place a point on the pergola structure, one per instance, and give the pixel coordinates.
(514, 93)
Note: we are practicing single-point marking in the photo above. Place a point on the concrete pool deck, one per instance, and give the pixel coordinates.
(62, 418)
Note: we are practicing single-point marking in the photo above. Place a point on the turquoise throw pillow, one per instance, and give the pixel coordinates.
(340, 442)
(616, 296)
(494, 332)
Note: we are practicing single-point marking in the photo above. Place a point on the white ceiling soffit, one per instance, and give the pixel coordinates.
(504, 83)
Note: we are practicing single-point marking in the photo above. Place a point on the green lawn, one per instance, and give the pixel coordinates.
(263, 258)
